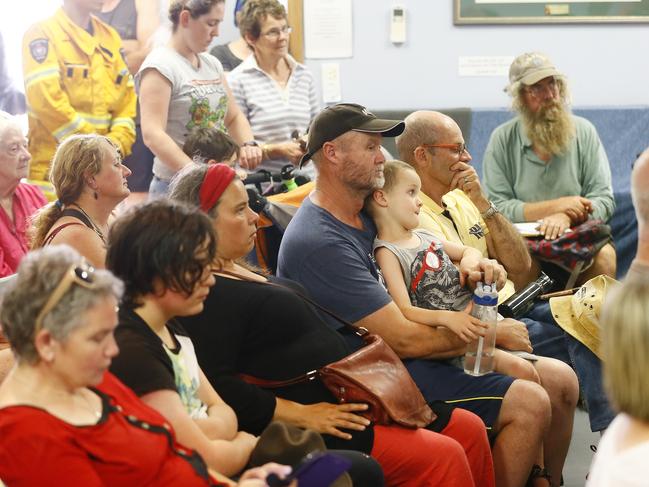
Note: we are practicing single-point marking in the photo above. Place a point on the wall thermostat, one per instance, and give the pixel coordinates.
(398, 24)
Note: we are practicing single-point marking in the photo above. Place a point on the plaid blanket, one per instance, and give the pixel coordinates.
(579, 244)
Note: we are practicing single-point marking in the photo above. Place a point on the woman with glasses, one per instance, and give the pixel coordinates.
(64, 420)
(251, 326)
(89, 180)
(276, 93)
(182, 87)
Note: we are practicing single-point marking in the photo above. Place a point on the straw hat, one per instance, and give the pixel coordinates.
(578, 314)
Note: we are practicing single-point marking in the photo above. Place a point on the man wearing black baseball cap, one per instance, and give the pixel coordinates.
(335, 120)
(327, 248)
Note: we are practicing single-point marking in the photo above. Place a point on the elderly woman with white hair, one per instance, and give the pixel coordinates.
(19, 201)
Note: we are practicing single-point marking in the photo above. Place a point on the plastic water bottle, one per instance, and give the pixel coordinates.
(479, 357)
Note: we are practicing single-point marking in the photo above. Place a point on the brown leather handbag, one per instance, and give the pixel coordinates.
(373, 375)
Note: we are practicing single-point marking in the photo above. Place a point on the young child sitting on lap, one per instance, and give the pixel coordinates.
(426, 276)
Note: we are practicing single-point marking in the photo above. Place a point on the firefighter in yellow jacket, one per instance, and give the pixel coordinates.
(76, 81)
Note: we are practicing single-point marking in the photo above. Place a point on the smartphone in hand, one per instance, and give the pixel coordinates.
(317, 469)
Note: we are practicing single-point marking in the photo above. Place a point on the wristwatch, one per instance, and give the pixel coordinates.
(489, 212)
(251, 143)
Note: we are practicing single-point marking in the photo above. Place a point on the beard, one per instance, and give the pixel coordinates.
(551, 128)
(361, 180)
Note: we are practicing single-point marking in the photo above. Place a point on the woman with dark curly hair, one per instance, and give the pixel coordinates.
(163, 252)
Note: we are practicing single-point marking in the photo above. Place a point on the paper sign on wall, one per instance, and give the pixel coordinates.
(484, 65)
(331, 83)
(327, 29)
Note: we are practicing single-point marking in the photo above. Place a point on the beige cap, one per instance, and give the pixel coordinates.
(529, 68)
(578, 314)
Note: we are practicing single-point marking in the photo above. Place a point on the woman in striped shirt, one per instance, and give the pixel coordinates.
(276, 93)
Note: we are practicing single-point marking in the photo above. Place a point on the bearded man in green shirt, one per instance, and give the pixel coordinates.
(547, 164)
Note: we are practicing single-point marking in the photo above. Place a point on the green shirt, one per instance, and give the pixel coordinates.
(513, 174)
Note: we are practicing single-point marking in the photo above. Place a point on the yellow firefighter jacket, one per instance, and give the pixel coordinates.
(75, 82)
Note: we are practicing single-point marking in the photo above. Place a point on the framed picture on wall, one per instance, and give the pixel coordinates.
(549, 11)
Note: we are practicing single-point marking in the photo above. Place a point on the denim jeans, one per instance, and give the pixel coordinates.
(549, 340)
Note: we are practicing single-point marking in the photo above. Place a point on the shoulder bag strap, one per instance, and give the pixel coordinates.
(359, 330)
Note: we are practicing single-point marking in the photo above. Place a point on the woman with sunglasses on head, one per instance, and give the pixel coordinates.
(90, 181)
(270, 332)
(63, 419)
(275, 92)
(181, 87)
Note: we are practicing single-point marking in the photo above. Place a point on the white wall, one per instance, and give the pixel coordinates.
(607, 64)
(16, 18)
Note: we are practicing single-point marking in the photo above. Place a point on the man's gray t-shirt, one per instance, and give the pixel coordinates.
(198, 96)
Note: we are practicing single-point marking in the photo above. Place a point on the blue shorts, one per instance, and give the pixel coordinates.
(439, 380)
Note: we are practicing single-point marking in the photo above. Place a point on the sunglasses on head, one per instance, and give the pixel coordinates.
(81, 274)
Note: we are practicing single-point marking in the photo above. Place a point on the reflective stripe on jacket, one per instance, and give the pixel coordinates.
(75, 82)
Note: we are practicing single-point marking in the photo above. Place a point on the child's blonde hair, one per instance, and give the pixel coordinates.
(391, 170)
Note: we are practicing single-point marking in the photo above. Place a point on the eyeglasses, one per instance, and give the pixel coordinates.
(274, 34)
(81, 274)
(537, 89)
(459, 149)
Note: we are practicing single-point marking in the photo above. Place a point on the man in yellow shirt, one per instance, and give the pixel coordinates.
(76, 81)
(456, 209)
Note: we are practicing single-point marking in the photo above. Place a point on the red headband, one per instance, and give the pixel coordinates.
(217, 178)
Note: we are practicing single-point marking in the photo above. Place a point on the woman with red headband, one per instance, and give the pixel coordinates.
(163, 252)
(250, 327)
